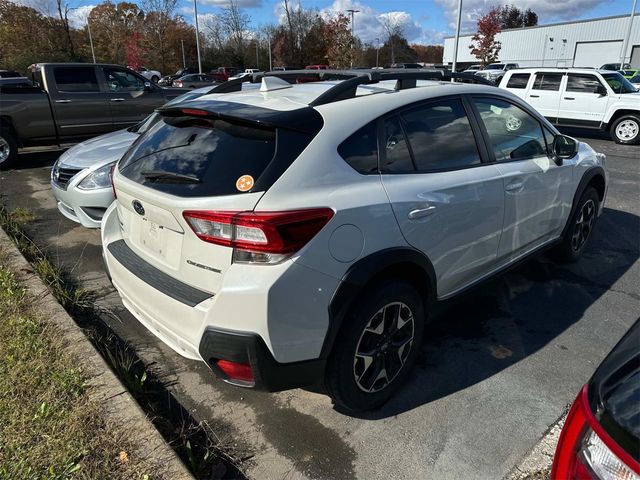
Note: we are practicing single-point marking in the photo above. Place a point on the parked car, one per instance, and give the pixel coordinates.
(628, 73)
(153, 75)
(316, 254)
(72, 102)
(222, 74)
(600, 439)
(594, 99)
(496, 71)
(81, 177)
(251, 70)
(283, 69)
(9, 74)
(405, 65)
(635, 81)
(11, 78)
(317, 67)
(473, 68)
(615, 66)
(195, 80)
(167, 81)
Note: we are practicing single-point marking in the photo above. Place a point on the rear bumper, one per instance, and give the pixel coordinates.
(249, 348)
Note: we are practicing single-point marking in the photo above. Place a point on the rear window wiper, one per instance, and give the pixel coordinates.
(162, 176)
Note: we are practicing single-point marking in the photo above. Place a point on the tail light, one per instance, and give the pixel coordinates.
(259, 237)
(586, 452)
(241, 372)
(178, 83)
(113, 187)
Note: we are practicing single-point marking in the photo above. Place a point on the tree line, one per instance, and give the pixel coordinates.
(153, 34)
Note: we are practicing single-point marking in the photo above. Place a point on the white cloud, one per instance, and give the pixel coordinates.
(78, 16)
(239, 3)
(548, 10)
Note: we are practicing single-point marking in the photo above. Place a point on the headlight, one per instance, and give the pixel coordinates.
(100, 178)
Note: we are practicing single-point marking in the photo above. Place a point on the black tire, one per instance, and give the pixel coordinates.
(342, 382)
(580, 227)
(155, 79)
(8, 149)
(626, 130)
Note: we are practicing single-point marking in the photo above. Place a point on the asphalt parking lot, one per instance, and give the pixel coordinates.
(498, 366)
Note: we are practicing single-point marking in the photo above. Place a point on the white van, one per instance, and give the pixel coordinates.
(585, 98)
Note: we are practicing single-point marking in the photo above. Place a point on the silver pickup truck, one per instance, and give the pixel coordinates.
(70, 102)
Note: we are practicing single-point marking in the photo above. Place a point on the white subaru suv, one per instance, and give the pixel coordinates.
(583, 98)
(299, 234)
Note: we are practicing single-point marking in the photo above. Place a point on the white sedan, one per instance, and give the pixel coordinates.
(152, 75)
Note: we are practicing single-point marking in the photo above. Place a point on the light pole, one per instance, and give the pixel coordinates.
(195, 16)
(352, 12)
(184, 61)
(93, 53)
(377, 51)
(623, 54)
(457, 40)
(269, 44)
(257, 58)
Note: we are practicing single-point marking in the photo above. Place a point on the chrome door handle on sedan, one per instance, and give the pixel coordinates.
(421, 212)
(117, 99)
(63, 101)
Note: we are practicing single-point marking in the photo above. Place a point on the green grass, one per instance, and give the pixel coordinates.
(49, 426)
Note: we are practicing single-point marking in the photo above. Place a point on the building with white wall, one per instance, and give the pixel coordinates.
(583, 43)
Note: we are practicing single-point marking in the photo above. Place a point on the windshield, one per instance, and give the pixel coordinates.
(495, 66)
(618, 83)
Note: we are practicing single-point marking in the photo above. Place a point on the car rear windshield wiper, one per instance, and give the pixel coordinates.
(162, 176)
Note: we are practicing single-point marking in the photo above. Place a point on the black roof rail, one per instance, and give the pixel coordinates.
(351, 80)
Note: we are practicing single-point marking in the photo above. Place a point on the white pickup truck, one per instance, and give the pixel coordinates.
(584, 98)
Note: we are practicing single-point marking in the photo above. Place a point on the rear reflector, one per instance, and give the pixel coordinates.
(586, 452)
(236, 371)
(275, 235)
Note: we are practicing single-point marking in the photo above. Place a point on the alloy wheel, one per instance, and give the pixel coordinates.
(583, 225)
(5, 150)
(627, 130)
(383, 347)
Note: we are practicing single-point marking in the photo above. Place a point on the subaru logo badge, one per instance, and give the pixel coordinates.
(137, 206)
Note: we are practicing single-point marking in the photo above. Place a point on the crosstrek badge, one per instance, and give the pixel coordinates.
(244, 183)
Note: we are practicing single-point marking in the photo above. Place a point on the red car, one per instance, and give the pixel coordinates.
(601, 436)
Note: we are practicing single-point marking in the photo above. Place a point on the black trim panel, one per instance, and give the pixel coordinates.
(572, 122)
(156, 278)
(247, 347)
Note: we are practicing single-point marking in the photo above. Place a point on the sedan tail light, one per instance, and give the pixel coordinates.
(259, 237)
(586, 452)
(178, 83)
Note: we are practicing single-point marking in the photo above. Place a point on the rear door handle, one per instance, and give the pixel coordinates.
(117, 99)
(534, 96)
(421, 212)
(514, 187)
(63, 101)
(569, 98)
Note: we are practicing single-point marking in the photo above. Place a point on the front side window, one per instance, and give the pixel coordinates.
(440, 136)
(582, 83)
(518, 80)
(618, 83)
(76, 79)
(547, 81)
(121, 80)
(360, 150)
(397, 157)
(514, 134)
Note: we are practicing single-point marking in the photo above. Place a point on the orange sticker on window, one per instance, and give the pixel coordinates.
(244, 183)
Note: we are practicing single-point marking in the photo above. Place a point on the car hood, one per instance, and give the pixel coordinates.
(99, 150)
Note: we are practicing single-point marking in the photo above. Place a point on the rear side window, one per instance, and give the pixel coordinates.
(76, 79)
(440, 136)
(582, 83)
(191, 157)
(547, 81)
(518, 80)
(360, 150)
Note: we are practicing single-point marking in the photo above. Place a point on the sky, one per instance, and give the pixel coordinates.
(423, 21)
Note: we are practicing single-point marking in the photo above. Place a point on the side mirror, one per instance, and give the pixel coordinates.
(601, 90)
(148, 87)
(564, 148)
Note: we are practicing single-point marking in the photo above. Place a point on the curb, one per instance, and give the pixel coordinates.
(117, 403)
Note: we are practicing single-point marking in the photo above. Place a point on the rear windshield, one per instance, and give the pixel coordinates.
(192, 157)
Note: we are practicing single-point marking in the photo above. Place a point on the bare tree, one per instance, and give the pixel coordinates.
(235, 26)
(393, 29)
